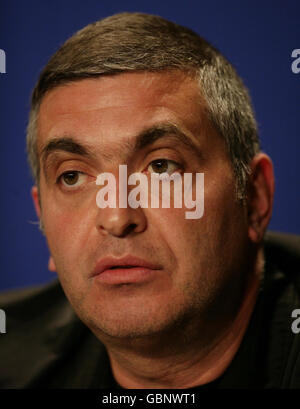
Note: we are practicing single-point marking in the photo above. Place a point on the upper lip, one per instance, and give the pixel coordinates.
(109, 262)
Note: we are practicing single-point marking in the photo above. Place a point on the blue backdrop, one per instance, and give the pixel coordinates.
(258, 37)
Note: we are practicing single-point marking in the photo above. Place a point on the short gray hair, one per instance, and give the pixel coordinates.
(132, 42)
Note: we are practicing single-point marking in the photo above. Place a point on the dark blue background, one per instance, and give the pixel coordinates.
(256, 36)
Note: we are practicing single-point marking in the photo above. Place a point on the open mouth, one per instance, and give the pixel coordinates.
(122, 267)
(128, 269)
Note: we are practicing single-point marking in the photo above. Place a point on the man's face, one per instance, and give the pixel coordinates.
(197, 264)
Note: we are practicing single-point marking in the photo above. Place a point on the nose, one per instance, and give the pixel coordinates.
(120, 222)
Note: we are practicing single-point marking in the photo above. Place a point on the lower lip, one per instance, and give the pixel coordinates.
(132, 275)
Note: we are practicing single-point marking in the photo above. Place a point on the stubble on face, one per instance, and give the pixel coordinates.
(197, 258)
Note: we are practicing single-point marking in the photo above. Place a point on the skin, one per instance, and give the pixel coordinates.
(183, 326)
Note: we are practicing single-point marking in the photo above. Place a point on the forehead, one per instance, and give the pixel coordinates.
(114, 108)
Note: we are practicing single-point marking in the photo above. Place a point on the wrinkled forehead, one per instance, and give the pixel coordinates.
(125, 90)
(114, 109)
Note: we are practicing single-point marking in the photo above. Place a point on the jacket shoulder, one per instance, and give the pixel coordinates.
(283, 250)
(31, 303)
(43, 337)
(282, 299)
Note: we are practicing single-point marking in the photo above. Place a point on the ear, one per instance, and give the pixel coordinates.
(51, 264)
(260, 196)
(36, 201)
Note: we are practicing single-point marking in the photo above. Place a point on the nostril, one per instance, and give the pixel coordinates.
(121, 222)
(123, 231)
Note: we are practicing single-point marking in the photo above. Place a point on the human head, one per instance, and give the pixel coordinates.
(133, 42)
(202, 264)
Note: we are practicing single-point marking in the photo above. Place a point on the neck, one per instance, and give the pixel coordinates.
(194, 363)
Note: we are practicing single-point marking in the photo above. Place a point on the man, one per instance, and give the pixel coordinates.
(153, 299)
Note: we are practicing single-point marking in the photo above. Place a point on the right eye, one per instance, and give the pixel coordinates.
(71, 179)
(163, 166)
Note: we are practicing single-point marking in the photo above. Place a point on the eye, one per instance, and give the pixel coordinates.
(72, 178)
(163, 166)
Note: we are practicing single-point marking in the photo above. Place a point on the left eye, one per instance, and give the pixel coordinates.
(163, 166)
(72, 178)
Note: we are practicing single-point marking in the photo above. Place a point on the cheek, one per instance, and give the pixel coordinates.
(179, 237)
(67, 242)
(223, 212)
(68, 230)
(66, 217)
(200, 244)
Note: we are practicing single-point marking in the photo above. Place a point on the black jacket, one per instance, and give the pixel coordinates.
(47, 346)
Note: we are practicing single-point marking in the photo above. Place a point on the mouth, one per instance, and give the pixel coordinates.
(125, 270)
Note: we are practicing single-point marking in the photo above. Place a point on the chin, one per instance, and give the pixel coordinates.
(133, 324)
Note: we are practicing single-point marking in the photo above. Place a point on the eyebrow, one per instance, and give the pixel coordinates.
(150, 135)
(63, 144)
(141, 141)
